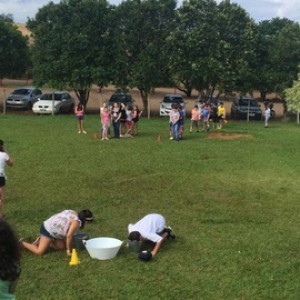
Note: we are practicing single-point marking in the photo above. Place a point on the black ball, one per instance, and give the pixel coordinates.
(145, 255)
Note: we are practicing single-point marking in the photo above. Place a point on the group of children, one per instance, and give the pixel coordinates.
(207, 112)
(123, 119)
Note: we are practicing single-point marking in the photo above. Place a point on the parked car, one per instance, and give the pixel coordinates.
(23, 97)
(242, 106)
(168, 101)
(120, 98)
(63, 102)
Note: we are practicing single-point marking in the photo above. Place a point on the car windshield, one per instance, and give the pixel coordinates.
(247, 102)
(21, 92)
(57, 97)
(172, 99)
(120, 98)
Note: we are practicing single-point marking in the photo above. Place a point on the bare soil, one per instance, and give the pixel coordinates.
(219, 135)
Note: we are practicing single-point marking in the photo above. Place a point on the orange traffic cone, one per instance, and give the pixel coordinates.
(74, 258)
(158, 138)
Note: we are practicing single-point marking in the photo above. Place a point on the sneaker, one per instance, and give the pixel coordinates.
(121, 135)
(79, 131)
(170, 232)
(171, 138)
(107, 138)
(83, 131)
(102, 139)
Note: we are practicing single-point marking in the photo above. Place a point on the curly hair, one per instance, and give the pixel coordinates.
(9, 253)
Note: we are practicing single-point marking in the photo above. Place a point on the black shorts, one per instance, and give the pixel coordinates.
(2, 181)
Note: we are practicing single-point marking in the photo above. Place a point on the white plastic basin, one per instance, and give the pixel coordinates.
(102, 248)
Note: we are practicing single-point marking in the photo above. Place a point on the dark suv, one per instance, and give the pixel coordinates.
(242, 106)
(120, 98)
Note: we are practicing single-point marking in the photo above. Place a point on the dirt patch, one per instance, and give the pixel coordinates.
(229, 136)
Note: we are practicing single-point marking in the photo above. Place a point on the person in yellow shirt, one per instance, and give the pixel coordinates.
(221, 115)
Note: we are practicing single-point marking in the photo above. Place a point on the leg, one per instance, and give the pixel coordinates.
(58, 245)
(1, 201)
(39, 249)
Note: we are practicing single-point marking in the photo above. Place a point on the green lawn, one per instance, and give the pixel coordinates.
(234, 205)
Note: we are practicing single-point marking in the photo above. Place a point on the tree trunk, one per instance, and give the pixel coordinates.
(144, 95)
(83, 96)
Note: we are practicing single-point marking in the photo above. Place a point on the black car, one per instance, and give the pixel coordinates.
(244, 106)
(120, 98)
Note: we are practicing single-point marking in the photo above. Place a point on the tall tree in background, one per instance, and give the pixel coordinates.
(72, 45)
(211, 45)
(14, 51)
(292, 98)
(277, 56)
(142, 29)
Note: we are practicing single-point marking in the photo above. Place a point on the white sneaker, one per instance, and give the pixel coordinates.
(107, 138)
(171, 138)
(83, 131)
(102, 139)
(79, 131)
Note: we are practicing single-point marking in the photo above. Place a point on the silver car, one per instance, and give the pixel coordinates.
(23, 97)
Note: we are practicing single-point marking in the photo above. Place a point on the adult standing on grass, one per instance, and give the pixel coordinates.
(9, 261)
(151, 227)
(5, 159)
(57, 231)
(79, 112)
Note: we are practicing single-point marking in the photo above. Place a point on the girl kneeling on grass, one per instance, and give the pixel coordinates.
(57, 231)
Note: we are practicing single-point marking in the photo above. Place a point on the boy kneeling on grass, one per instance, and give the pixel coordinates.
(151, 227)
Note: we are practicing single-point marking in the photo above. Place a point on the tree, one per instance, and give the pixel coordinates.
(72, 47)
(292, 97)
(212, 44)
(14, 51)
(277, 56)
(142, 29)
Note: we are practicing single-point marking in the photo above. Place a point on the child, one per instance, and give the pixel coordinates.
(9, 261)
(105, 121)
(5, 159)
(180, 122)
(195, 118)
(79, 112)
(136, 114)
(205, 117)
(115, 117)
(221, 115)
(129, 122)
(267, 115)
(174, 118)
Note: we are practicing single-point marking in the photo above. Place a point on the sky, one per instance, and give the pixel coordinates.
(258, 9)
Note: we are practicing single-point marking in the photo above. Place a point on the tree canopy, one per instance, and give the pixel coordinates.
(14, 52)
(72, 45)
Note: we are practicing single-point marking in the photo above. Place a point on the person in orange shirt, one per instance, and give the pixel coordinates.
(195, 118)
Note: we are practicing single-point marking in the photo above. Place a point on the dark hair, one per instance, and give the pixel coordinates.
(9, 253)
(85, 216)
(134, 236)
(1, 146)
(80, 106)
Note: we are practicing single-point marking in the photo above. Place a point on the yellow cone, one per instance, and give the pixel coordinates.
(74, 258)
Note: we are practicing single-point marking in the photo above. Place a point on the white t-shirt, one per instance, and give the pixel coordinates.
(3, 159)
(149, 227)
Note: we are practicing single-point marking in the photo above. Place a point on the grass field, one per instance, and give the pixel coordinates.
(234, 205)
